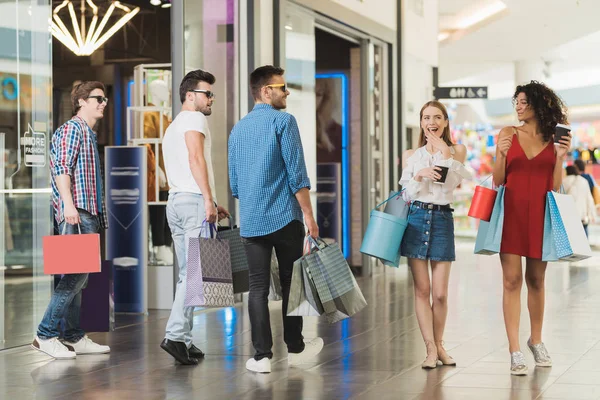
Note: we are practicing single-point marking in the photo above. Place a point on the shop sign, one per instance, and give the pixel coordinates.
(461, 92)
(35, 148)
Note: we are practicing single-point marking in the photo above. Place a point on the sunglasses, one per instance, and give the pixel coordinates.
(279, 85)
(99, 99)
(208, 93)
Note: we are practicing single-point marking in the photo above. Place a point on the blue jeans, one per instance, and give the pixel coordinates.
(185, 214)
(65, 303)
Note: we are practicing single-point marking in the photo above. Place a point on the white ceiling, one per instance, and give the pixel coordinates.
(561, 31)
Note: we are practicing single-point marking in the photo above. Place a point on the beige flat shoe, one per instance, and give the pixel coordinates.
(444, 357)
(431, 361)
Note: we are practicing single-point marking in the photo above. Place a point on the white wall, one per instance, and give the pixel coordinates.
(381, 11)
(419, 31)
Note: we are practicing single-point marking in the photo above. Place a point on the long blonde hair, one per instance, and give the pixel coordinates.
(446, 134)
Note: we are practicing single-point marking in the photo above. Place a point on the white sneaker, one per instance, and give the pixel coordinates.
(311, 349)
(263, 366)
(86, 346)
(164, 254)
(54, 348)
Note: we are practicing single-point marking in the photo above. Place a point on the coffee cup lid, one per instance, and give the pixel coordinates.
(567, 127)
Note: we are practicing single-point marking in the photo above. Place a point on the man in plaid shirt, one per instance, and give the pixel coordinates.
(79, 207)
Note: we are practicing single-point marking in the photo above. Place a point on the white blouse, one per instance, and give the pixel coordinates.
(427, 191)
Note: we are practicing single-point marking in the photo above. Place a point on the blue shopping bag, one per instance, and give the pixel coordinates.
(489, 235)
(384, 233)
(564, 236)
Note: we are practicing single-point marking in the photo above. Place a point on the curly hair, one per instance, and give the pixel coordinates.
(548, 107)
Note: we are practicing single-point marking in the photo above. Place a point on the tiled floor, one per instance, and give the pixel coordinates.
(375, 355)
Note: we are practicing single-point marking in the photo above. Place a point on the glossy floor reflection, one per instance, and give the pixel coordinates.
(375, 355)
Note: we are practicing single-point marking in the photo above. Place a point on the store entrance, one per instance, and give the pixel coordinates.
(337, 77)
(337, 95)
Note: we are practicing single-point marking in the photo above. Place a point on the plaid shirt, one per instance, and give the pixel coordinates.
(266, 170)
(73, 152)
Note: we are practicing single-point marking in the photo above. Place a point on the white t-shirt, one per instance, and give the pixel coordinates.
(176, 155)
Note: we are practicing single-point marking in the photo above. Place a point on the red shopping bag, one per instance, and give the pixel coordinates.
(71, 254)
(482, 204)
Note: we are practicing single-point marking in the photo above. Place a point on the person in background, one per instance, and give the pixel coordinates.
(578, 187)
(529, 165)
(189, 169)
(580, 165)
(429, 237)
(267, 173)
(79, 207)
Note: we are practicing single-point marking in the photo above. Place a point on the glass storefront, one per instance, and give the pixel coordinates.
(210, 43)
(25, 131)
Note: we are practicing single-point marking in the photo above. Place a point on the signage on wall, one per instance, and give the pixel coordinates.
(35, 148)
(127, 234)
(461, 92)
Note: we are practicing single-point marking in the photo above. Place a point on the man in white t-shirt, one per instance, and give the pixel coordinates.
(191, 204)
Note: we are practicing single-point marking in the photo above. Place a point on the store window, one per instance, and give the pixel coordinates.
(210, 35)
(25, 131)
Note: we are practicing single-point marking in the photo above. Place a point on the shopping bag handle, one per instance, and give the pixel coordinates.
(397, 194)
(64, 229)
(211, 227)
(310, 243)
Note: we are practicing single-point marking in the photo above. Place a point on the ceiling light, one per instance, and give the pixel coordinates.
(166, 4)
(85, 43)
(481, 15)
(155, 2)
(443, 36)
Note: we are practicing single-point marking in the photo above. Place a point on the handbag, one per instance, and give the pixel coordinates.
(71, 254)
(564, 236)
(385, 231)
(209, 280)
(489, 234)
(482, 204)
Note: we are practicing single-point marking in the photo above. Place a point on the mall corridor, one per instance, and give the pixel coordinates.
(375, 355)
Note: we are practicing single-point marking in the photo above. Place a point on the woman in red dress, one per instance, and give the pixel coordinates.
(529, 164)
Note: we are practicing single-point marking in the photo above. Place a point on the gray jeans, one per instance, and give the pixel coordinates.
(185, 214)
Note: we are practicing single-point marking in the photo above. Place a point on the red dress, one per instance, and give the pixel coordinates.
(527, 183)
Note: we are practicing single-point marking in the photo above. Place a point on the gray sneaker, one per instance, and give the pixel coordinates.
(517, 364)
(540, 354)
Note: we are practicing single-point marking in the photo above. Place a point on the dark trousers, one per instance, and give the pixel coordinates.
(161, 234)
(288, 243)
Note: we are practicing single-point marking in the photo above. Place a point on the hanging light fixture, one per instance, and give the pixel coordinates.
(85, 43)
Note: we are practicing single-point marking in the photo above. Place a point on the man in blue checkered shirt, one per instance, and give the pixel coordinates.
(267, 173)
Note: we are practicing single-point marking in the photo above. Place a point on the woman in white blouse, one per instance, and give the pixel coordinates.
(429, 237)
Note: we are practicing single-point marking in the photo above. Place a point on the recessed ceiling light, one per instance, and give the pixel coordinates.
(155, 2)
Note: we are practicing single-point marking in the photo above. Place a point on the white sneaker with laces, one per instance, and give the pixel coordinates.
(311, 349)
(54, 348)
(86, 346)
(263, 366)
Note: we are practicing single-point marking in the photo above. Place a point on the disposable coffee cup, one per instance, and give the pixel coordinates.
(443, 174)
(560, 131)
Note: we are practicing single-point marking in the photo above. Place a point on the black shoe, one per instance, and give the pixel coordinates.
(179, 351)
(195, 352)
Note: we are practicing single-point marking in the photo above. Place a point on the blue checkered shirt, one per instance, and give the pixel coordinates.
(266, 169)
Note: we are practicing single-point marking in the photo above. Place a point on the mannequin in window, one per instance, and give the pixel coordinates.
(161, 234)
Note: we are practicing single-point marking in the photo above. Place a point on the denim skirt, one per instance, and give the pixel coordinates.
(429, 235)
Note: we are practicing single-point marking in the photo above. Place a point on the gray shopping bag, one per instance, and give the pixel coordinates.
(239, 261)
(303, 300)
(336, 287)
